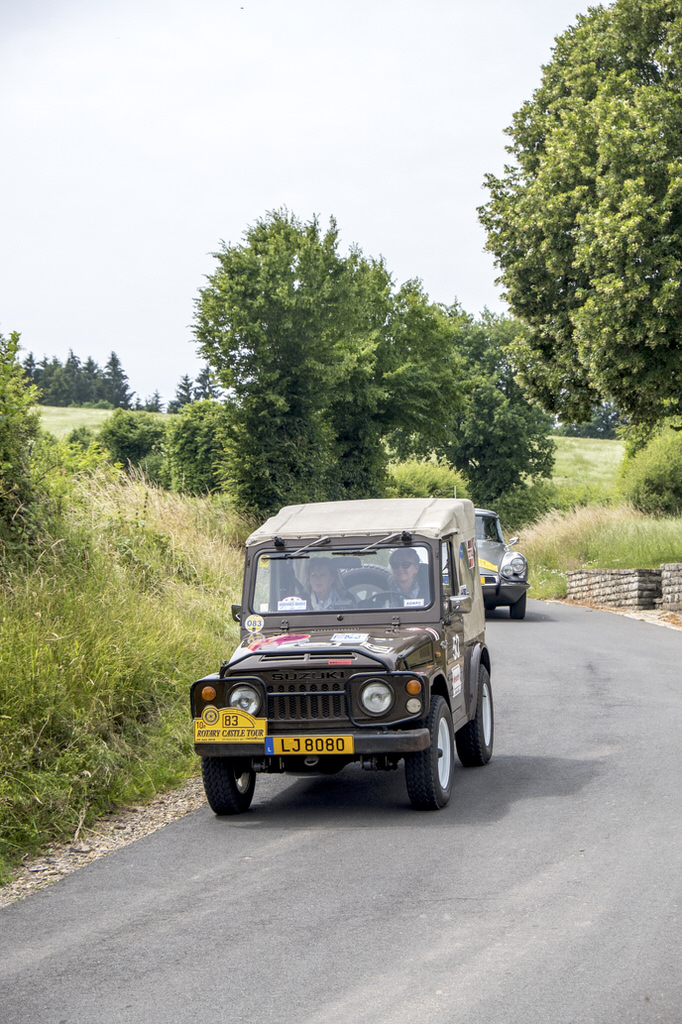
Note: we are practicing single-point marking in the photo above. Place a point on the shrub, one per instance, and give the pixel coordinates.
(18, 431)
(425, 479)
(652, 478)
(196, 447)
(138, 440)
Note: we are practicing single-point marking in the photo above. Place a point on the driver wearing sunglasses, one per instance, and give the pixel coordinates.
(405, 564)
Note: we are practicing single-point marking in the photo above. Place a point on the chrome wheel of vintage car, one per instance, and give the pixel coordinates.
(474, 740)
(229, 784)
(429, 772)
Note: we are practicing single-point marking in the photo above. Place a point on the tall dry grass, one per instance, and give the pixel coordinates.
(596, 537)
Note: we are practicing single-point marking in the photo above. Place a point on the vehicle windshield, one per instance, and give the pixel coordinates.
(341, 580)
(488, 528)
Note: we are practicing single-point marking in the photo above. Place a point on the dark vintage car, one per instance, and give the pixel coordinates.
(362, 640)
(504, 573)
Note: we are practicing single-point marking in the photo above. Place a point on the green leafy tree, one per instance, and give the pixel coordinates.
(320, 361)
(265, 323)
(18, 431)
(586, 224)
(497, 438)
(394, 372)
(605, 421)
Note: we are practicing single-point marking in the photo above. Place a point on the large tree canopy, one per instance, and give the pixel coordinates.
(586, 225)
(499, 439)
(320, 359)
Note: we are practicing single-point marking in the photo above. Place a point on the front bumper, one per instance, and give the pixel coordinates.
(503, 593)
(366, 742)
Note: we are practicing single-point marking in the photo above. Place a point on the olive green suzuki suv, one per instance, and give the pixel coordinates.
(362, 640)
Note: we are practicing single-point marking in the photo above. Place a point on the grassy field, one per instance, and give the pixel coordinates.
(587, 460)
(61, 420)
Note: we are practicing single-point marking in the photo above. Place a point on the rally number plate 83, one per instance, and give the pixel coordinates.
(309, 745)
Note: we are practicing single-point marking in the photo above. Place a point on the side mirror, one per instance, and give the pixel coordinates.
(462, 603)
(237, 612)
(511, 543)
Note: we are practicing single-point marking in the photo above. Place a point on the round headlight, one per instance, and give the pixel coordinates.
(376, 697)
(518, 564)
(246, 698)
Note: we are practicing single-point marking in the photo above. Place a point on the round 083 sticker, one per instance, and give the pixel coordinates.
(254, 623)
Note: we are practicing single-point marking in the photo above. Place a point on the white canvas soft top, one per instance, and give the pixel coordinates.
(430, 517)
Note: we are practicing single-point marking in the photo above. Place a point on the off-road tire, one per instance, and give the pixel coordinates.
(518, 609)
(429, 773)
(474, 741)
(229, 784)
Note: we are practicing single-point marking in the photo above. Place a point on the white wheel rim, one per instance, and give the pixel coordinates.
(487, 715)
(242, 782)
(444, 753)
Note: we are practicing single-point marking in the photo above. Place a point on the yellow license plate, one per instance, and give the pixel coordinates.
(310, 746)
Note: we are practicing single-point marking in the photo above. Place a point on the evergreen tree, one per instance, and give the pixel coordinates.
(115, 384)
(154, 403)
(205, 386)
(184, 395)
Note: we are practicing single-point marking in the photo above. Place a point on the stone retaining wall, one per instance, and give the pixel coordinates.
(671, 586)
(624, 588)
(628, 588)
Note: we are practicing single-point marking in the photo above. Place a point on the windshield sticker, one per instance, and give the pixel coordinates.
(349, 638)
(413, 602)
(456, 681)
(292, 604)
(278, 641)
(254, 623)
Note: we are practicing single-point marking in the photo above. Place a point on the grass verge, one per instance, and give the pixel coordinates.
(103, 630)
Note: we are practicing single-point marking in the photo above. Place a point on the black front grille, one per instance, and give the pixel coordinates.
(306, 702)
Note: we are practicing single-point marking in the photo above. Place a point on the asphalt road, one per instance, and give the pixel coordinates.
(547, 891)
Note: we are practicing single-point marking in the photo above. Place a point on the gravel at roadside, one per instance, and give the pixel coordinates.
(109, 833)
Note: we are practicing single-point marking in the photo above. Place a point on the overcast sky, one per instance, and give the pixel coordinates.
(136, 134)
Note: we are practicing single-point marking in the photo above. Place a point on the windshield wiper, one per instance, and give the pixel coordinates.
(403, 534)
(306, 547)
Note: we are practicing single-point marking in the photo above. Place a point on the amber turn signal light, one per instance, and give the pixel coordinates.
(208, 693)
(413, 686)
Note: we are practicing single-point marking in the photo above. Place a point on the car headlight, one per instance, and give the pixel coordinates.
(376, 697)
(516, 566)
(246, 698)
